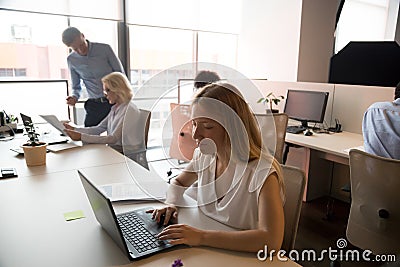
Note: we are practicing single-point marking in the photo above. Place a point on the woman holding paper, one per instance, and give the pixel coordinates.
(118, 92)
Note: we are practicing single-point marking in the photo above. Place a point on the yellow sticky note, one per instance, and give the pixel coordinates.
(74, 215)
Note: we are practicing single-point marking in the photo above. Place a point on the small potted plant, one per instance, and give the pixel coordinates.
(271, 99)
(34, 151)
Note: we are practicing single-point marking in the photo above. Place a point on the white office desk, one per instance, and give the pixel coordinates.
(34, 232)
(334, 145)
(318, 154)
(70, 159)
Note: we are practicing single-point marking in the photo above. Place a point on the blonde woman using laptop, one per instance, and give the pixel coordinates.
(118, 92)
(232, 180)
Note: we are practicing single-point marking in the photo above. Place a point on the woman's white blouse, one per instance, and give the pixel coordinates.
(232, 199)
(115, 127)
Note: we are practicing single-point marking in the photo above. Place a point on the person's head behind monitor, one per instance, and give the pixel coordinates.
(204, 78)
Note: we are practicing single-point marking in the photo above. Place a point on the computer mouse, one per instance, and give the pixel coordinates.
(308, 132)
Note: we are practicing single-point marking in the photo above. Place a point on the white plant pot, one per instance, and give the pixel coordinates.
(35, 155)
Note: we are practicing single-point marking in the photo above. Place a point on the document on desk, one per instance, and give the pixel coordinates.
(347, 150)
(64, 146)
(125, 192)
(53, 120)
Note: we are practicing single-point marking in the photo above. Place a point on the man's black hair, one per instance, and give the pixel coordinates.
(205, 77)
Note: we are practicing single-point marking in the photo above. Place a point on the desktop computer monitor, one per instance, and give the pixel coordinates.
(306, 106)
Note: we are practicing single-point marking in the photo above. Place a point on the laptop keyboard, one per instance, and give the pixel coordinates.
(134, 230)
(295, 129)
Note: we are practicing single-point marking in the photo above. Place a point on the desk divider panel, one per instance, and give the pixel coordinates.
(351, 102)
(347, 103)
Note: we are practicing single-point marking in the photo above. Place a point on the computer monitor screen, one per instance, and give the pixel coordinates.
(306, 106)
(34, 98)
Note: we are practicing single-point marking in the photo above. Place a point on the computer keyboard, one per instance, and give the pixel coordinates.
(295, 129)
(135, 232)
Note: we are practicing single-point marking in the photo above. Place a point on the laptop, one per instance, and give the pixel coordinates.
(50, 139)
(134, 231)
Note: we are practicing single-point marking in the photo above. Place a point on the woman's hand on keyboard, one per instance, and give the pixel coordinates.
(181, 234)
(169, 214)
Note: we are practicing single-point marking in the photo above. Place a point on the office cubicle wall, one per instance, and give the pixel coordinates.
(34, 98)
(351, 101)
(347, 103)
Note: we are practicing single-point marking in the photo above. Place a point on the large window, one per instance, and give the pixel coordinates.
(154, 49)
(218, 48)
(29, 47)
(174, 33)
(107, 9)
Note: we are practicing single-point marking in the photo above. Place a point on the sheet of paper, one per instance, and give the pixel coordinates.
(124, 191)
(347, 150)
(64, 146)
(53, 120)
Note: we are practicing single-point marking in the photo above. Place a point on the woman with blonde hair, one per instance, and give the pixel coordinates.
(233, 179)
(118, 92)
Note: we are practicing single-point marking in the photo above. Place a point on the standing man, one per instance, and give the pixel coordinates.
(381, 128)
(89, 62)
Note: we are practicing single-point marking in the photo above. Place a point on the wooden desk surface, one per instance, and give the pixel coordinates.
(34, 232)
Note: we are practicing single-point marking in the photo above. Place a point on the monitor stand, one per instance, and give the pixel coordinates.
(304, 124)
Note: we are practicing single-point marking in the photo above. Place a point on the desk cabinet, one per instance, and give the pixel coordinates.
(325, 173)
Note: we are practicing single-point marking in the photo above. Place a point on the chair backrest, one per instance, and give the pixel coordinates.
(145, 115)
(182, 144)
(138, 153)
(374, 217)
(273, 136)
(281, 122)
(295, 181)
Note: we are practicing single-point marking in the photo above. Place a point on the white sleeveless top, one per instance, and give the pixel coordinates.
(232, 199)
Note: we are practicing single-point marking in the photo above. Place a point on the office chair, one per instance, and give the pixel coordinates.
(375, 212)
(274, 140)
(146, 114)
(295, 181)
(138, 154)
(182, 144)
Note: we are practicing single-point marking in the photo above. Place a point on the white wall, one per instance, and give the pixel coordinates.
(289, 40)
(268, 45)
(316, 40)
